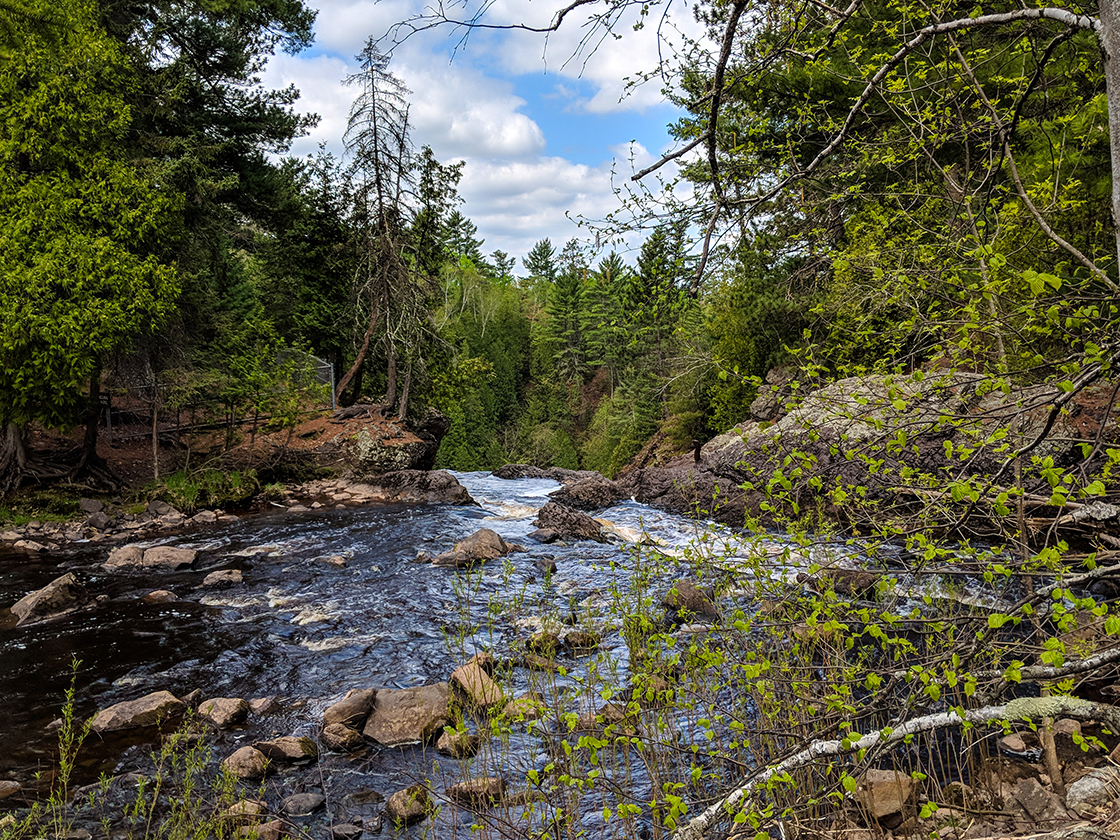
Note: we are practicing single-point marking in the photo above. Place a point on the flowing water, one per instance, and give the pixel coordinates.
(305, 626)
(336, 599)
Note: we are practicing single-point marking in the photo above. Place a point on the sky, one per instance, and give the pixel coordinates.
(547, 134)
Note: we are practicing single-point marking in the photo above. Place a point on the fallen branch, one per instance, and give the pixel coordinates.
(1024, 708)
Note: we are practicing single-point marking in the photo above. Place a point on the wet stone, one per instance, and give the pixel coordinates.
(272, 830)
(352, 710)
(224, 711)
(289, 748)
(262, 706)
(408, 806)
(247, 763)
(474, 793)
(159, 596)
(222, 577)
(246, 812)
(153, 709)
(457, 744)
(303, 804)
(346, 831)
(8, 788)
(342, 738)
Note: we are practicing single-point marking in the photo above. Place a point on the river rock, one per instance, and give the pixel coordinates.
(159, 596)
(351, 710)
(685, 601)
(545, 536)
(222, 577)
(475, 793)
(1040, 805)
(155, 709)
(245, 812)
(224, 712)
(11, 536)
(525, 707)
(569, 523)
(302, 804)
(476, 686)
(457, 743)
(30, 545)
(271, 830)
(582, 641)
(262, 706)
(415, 486)
(247, 763)
(158, 557)
(886, 796)
(341, 738)
(61, 595)
(408, 806)
(346, 831)
(8, 788)
(204, 517)
(1094, 793)
(90, 505)
(410, 715)
(99, 520)
(592, 493)
(290, 749)
(480, 546)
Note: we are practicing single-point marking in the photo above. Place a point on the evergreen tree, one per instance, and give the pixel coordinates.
(80, 226)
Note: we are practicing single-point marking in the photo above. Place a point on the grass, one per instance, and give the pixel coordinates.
(46, 504)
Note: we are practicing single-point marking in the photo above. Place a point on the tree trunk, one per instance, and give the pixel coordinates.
(13, 458)
(391, 386)
(374, 317)
(93, 419)
(403, 415)
(1110, 44)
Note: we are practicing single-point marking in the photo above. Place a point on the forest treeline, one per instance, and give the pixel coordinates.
(952, 212)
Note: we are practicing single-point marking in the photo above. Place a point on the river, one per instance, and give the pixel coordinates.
(305, 626)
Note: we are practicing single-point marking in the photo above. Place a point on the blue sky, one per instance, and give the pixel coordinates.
(540, 134)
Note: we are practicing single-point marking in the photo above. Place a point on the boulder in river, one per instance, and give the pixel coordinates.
(685, 602)
(408, 806)
(415, 486)
(290, 749)
(224, 712)
(155, 709)
(341, 738)
(247, 763)
(475, 684)
(158, 557)
(479, 546)
(61, 595)
(592, 493)
(569, 523)
(409, 715)
(351, 710)
(476, 793)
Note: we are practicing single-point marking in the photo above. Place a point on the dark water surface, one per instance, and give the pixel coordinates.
(300, 628)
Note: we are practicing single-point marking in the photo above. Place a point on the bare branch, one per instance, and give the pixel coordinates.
(1024, 708)
(923, 35)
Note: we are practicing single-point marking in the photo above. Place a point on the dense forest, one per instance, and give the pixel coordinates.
(879, 196)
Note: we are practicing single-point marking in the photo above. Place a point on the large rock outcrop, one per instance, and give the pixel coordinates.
(569, 523)
(415, 487)
(593, 492)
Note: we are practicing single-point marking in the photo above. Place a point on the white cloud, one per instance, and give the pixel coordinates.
(464, 114)
(468, 109)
